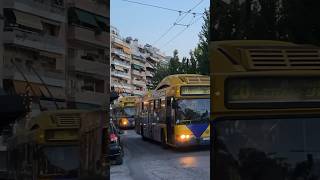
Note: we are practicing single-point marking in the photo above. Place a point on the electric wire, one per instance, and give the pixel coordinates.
(177, 21)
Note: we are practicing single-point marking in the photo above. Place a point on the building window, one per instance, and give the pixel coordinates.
(50, 29)
(58, 2)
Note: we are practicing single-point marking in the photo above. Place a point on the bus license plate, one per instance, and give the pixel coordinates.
(206, 138)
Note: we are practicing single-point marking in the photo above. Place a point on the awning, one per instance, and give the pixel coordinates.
(137, 67)
(38, 90)
(126, 50)
(49, 54)
(119, 68)
(55, 23)
(86, 17)
(28, 20)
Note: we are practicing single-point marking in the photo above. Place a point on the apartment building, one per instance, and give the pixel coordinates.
(88, 49)
(153, 56)
(120, 64)
(33, 50)
(56, 51)
(138, 67)
(132, 64)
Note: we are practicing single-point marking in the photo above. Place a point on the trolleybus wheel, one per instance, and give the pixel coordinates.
(143, 137)
(163, 140)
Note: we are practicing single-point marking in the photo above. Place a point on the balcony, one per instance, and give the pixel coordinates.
(34, 41)
(152, 59)
(138, 62)
(94, 7)
(138, 73)
(91, 97)
(149, 74)
(138, 92)
(46, 8)
(148, 65)
(138, 57)
(117, 40)
(139, 83)
(120, 63)
(90, 67)
(86, 35)
(122, 86)
(121, 54)
(121, 74)
(51, 78)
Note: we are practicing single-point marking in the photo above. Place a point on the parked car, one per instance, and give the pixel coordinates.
(116, 152)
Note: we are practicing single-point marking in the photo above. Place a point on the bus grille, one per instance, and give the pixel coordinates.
(284, 58)
(68, 120)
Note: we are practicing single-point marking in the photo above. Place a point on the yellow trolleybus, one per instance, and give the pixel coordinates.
(124, 111)
(177, 112)
(48, 148)
(265, 104)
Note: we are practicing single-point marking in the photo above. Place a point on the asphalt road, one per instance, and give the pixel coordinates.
(145, 160)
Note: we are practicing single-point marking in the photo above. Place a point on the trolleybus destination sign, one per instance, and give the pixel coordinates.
(272, 92)
(195, 90)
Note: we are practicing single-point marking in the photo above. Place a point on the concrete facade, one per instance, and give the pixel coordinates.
(133, 64)
(57, 51)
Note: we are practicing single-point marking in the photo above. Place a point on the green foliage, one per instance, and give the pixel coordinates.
(175, 66)
(288, 20)
(197, 63)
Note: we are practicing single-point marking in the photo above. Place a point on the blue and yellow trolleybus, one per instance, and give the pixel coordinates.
(177, 111)
(124, 112)
(265, 110)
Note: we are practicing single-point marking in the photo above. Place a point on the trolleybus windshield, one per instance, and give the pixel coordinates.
(193, 110)
(130, 111)
(280, 149)
(57, 160)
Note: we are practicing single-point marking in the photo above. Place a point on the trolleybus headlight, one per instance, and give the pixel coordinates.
(124, 121)
(184, 137)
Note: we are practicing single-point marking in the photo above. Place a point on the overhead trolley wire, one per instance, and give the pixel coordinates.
(159, 7)
(184, 29)
(178, 21)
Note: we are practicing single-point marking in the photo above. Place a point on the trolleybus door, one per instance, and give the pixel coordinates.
(170, 120)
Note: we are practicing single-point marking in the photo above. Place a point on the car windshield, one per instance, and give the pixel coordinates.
(193, 110)
(130, 111)
(280, 149)
(59, 160)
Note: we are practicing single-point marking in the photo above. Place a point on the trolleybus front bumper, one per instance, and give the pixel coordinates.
(193, 142)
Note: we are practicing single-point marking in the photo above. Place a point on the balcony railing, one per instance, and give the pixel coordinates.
(139, 83)
(122, 86)
(149, 74)
(89, 36)
(148, 65)
(135, 72)
(119, 41)
(138, 92)
(51, 9)
(96, 7)
(120, 63)
(138, 62)
(90, 67)
(121, 54)
(34, 40)
(120, 74)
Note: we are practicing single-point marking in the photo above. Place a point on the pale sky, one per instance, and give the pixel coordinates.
(148, 24)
